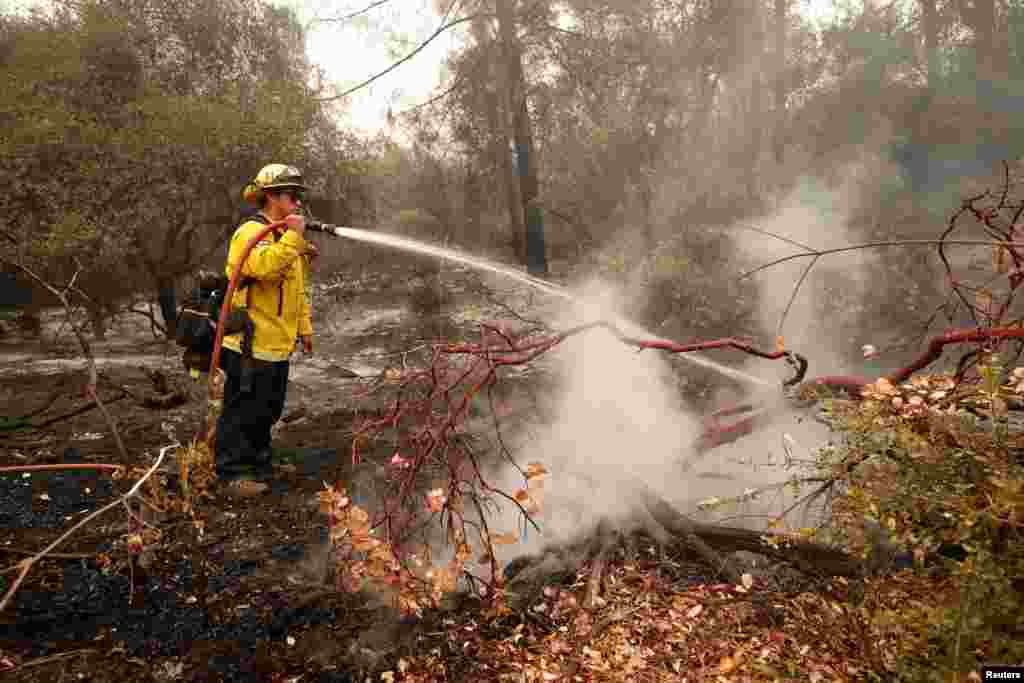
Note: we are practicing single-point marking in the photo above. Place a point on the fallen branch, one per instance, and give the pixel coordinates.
(517, 352)
(90, 388)
(53, 658)
(56, 556)
(50, 400)
(716, 433)
(62, 466)
(26, 564)
(79, 411)
(935, 347)
(435, 402)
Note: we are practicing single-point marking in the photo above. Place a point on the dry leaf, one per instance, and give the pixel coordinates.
(445, 580)
(1000, 259)
(726, 665)
(358, 518)
(247, 488)
(503, 539)
(983, 301)
(363, 542)
(436, 500)
(534, 470)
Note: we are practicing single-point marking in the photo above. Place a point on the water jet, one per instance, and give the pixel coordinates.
(481, 264)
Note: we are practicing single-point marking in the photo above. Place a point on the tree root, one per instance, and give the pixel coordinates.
(677, 523)
(809, 557)
(710, 544)
(594, 584)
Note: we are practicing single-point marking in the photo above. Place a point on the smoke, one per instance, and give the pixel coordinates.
(619, 419)
(812, 308)
(617, 422)
(815, 216)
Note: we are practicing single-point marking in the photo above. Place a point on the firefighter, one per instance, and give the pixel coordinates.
(274, 297)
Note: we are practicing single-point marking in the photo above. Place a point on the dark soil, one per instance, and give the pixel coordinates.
(138, 622)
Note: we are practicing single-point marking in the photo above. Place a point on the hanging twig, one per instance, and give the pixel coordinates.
(792, 297)
(346, 17)
(415, 51)
(873, 245)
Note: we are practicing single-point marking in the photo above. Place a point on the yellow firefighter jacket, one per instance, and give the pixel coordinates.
(276, 294)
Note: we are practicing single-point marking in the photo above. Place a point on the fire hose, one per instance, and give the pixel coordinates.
(214, 390)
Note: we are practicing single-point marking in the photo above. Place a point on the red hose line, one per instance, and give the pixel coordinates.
(224, 309)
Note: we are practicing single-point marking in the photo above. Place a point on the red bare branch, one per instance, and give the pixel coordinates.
(63, 466)
(716, 434)
(935, 347)
(516, 353)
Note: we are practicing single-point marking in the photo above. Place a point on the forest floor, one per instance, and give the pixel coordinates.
(248, 600)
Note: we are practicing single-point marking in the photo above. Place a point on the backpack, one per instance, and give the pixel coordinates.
(195, 327)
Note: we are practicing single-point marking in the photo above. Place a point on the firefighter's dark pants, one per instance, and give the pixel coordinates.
(253, 401)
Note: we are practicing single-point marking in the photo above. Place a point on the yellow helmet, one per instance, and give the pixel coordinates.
(273, 177)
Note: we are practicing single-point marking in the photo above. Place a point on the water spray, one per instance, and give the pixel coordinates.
(407, 244)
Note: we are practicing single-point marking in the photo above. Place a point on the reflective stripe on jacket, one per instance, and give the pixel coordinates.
(276, 296)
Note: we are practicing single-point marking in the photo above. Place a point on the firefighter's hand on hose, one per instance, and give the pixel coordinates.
(311, 254)
(296, 224)
(307, 343)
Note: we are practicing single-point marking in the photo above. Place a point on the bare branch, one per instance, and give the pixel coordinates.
(761, 231)
(83, 342)
(872, 245)
(347, 17)
(26, 564)
(61, 466)
(454, 86)
(792, 297)
(150, 316)
(415, 51)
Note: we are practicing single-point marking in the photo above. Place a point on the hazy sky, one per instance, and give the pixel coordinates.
(352, 51)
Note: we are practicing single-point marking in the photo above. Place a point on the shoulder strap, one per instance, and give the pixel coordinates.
(244, 284)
